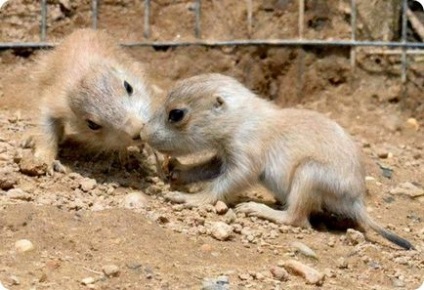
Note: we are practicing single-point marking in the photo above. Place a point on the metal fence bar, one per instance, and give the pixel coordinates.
(353, 34)
(198, 20)
(146, 19)
(301, 56)
(94, 13)
(43, 28)
(241, 42)
(249, 17)
(403, 40)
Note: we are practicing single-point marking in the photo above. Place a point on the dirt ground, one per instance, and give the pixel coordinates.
(110, 228)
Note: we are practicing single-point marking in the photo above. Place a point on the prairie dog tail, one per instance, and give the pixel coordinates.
(365, 220)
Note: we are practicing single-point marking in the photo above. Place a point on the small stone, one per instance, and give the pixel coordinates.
(220, 207)
(13, 280)
(311, 275)
(413, 124)
(111, 270)
(88, 184)
(397, 283)
(206, 248)
(135, 199)
(279, 273)
(304, 249)
(19, 194)
(30, 167)
(7, 182)
(221, 231)
(24, 245)
(244, 276)
(88, 281)
(220, 283)
(4, 157)
(408, 189)
(354, 237)
(342, 263)
(230, 216)
(383, 154)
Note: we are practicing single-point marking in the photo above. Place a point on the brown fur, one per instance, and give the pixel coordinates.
(305, 159)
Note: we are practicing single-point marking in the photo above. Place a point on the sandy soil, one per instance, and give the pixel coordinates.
(114, 227)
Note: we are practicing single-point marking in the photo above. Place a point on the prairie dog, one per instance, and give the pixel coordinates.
(305, 159)
(92, 90)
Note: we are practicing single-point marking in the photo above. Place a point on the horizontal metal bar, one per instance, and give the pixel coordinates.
(241, 42)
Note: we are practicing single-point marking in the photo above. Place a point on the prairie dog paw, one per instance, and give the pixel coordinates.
(175, 197)
(191, 200)
(251, 208)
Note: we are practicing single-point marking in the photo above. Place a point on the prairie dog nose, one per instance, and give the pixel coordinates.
(133, 127)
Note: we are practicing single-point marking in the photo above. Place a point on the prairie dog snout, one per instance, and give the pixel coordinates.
(306, 160)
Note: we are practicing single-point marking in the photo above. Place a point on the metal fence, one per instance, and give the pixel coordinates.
(300, 41)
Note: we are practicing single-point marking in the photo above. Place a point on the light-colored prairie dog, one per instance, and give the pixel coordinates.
(305, 159)
(89, 86)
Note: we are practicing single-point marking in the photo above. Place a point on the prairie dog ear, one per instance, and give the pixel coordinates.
(219, 103)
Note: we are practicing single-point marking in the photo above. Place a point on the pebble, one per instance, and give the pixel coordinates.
(88, 281)
(88, 184)
(221, 231)
(7, 182)
(408, 189)
(304, 249)
(17, 193)
(311, 275)
(13, 280)
(412, 123)
(244, 276)
(219, 283)
(220, 207)
(354, 237)
(230, 216)
(4, 157)
(24, 245)
(135, 199)
(342, 263)
(111, 270)
(29, 167)
(279, 273)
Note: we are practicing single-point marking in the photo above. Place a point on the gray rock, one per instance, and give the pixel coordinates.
(219, 283)
(221, 231)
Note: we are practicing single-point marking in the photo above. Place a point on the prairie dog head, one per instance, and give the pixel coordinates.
(200, 113)
(110, 106)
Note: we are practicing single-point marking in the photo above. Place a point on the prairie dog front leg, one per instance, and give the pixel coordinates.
(233, 178)
(182, 174)
(46, 145)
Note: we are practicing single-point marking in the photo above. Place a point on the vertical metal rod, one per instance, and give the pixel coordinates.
(43, 30)
(146, 18)
(197, 11)
(301, 56)
(249, 17)
(353, 35)
(301, 17)
(94, 13)
(404, 31)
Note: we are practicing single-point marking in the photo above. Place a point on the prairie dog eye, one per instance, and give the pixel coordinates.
(93, 126)
(176, 115)
(128, 88)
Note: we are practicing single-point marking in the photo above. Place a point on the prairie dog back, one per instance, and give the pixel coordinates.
(89, 86)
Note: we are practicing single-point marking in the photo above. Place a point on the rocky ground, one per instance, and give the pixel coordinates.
(105, 226)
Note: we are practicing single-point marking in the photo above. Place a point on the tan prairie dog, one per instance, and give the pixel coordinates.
(305, 159)
(89, 85)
